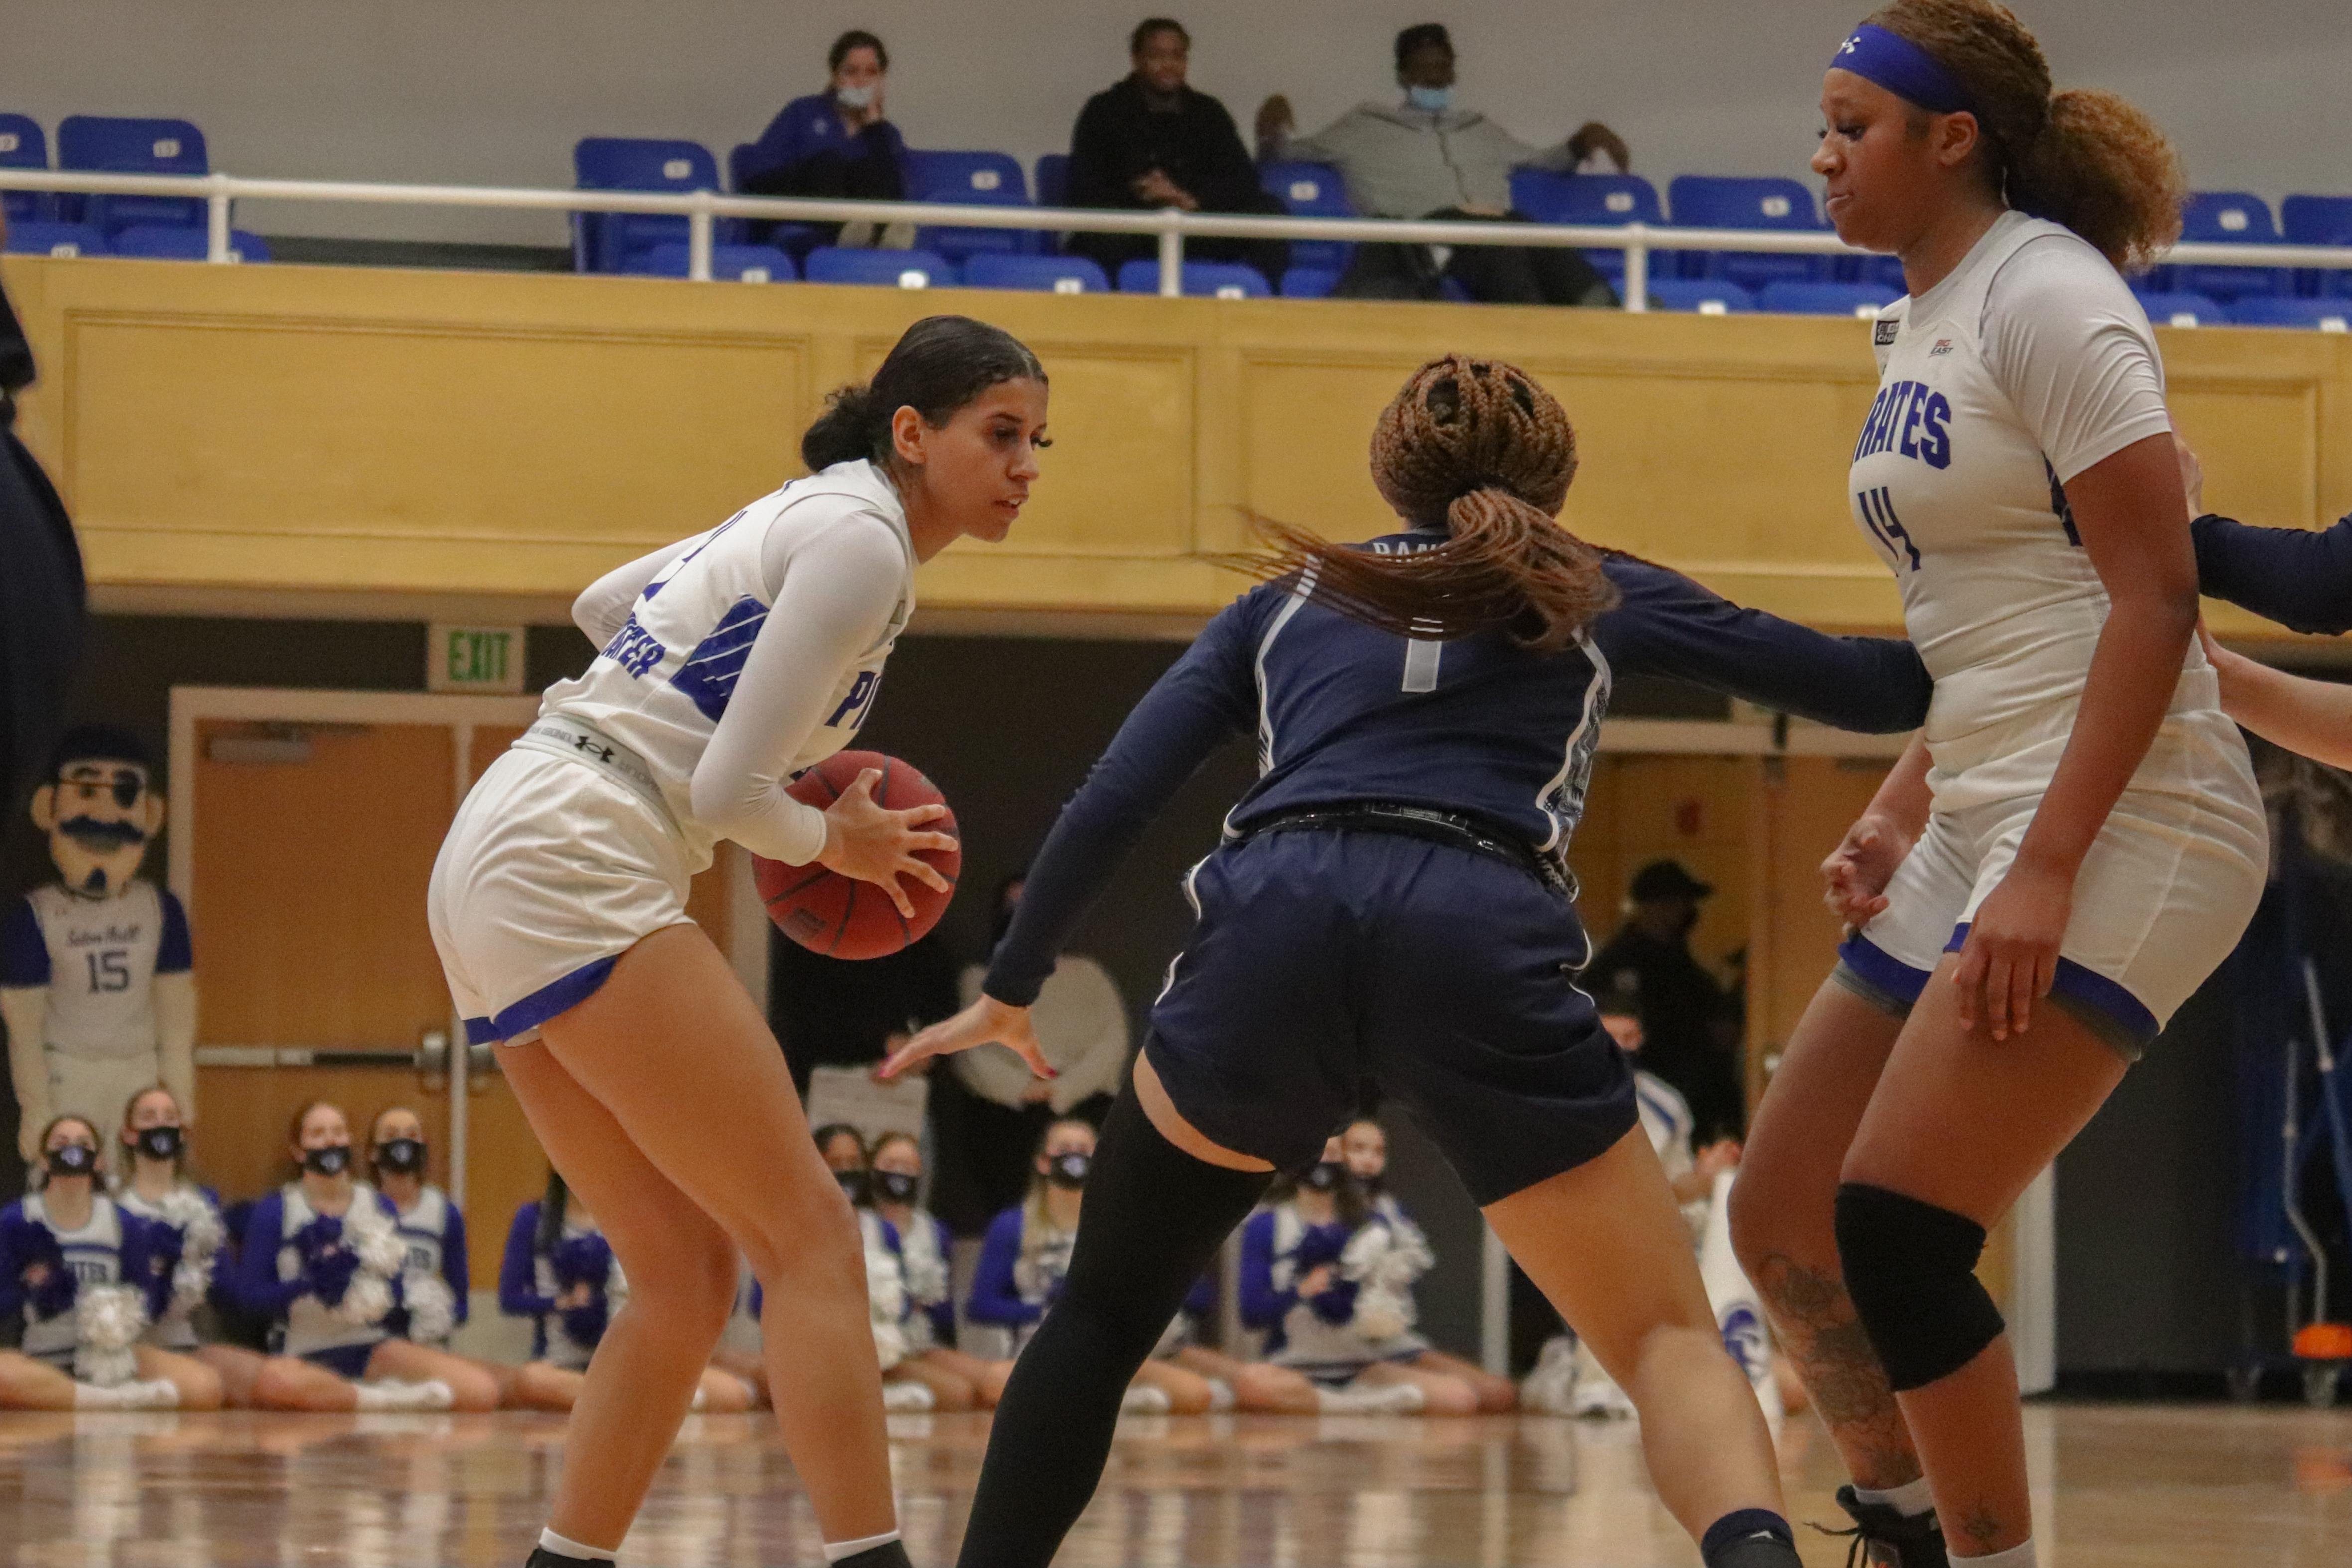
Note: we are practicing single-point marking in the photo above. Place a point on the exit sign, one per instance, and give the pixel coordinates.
(474, 659)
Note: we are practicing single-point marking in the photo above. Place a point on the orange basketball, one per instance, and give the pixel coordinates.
(839, 916)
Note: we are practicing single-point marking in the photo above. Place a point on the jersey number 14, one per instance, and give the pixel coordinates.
(1877, 509)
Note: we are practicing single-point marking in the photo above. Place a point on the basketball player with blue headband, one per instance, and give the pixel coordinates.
(1391, 906)
(731, 662)
(2074, 840)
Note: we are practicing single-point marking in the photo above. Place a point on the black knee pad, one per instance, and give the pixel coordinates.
(1910, 1269)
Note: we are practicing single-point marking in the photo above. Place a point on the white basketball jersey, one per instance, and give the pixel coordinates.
(103, 956)
(94, 1253)
(1955, 493)
(661, 685)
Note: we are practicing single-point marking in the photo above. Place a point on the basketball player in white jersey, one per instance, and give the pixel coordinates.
(730, 662)
(2084, 842)
(97, 975)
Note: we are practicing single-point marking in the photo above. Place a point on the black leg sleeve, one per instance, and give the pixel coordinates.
(1152, 1219)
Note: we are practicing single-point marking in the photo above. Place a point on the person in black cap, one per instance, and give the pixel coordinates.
(1425, 158)
(1687, 1019)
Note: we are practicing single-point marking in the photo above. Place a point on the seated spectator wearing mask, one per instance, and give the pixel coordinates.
(1426, 159)
(1152, 142)
(837, 143)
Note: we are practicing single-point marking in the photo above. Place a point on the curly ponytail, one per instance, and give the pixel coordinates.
(2083, 158)
(1477, 448)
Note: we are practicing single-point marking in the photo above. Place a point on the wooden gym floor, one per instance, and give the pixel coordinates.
(2117, 1487)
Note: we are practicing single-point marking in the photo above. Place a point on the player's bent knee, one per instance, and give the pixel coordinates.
(1910, 1268)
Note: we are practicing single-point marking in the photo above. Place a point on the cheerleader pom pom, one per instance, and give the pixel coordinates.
(201, 1234)
(379, 1249)
(889, 1344)
(432, 1308)
(1379, 1320)
(192, 1282)
(330, 1275)
(108, 1320)
(31, 1244)
(586, 1325)
(582, 1260)
(365, 1299)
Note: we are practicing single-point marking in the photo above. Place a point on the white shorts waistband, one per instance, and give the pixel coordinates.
(561, 736)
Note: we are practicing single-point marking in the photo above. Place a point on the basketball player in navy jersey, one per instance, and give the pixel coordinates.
(730, 662)
(1392, 904)
(2074, 842)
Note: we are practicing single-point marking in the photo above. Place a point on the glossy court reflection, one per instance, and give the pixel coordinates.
(2147, 1486)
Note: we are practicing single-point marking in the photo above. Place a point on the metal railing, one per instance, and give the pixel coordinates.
(1171, 226)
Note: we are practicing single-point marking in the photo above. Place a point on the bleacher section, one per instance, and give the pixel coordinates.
(1709, 282)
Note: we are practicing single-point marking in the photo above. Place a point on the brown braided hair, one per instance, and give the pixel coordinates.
(1476, 448)
(2084, 158)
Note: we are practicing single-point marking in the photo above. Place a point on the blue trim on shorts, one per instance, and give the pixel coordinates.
(343, 1360)
(541, 1005)
(2129, 1015)
(1887, 973)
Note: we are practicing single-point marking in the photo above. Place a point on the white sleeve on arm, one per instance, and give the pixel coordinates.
(604, 605)
(2069, 345)
(835, 599)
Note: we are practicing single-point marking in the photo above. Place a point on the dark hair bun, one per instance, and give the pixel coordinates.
(845, 431)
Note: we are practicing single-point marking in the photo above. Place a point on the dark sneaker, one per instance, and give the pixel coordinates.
(1886, 1536)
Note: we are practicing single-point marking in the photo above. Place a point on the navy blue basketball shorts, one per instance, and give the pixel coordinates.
(1323, 962)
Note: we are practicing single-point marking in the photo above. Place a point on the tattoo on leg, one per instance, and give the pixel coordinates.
(1817, 1325)
(1982, 1526)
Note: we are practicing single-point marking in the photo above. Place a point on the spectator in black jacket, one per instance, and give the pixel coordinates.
(1152, 142)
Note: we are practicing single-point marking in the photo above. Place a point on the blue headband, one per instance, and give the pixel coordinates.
(1902, 69)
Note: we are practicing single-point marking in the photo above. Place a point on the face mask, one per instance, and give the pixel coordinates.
(401, 1156)
(853, 1183)
(1369, 1186)
(1431, 100)
(852, 97)
(332, 1160)
(1068, 1172)
(895, 1187)
(73, 1160)
(160, 1143)
(1324, 1177)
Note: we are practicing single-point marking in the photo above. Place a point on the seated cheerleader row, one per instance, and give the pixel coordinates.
(1327, 1268)
(134, 1292)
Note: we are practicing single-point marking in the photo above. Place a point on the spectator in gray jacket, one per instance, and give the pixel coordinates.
(1425, 158)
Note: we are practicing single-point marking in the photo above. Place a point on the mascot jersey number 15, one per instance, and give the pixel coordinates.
(97, 979)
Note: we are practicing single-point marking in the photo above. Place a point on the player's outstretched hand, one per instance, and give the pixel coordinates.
(1856, 874)
(865, 841)
(2011, 956)
(984, 1021)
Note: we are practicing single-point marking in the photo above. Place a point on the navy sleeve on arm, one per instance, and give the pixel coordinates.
(453, 1270)
(176, 954)
(2298, 578)
(1668, 624)
(1262, 1306)
(1204, 699)
(258, 1288)
(519, 1294)
(996, 1296)
(24, 952)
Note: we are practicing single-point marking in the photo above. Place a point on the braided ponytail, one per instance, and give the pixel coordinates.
(1477, 448)
(2084, 158)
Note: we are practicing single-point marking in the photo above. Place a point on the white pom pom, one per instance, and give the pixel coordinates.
(108, 1319)
(889, 1344)
(365, 1301)
(192, 1282)
(1377, 1317)
(616, 1289)
(432, 1308)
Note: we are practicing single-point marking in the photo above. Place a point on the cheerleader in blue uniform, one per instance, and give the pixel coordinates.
(156, 1188)
(322, 1260)
(89, 1276)
(559, 1273)
(917, 1245)
(1392, 904)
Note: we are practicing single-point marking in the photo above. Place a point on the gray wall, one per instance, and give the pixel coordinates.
(456, 91)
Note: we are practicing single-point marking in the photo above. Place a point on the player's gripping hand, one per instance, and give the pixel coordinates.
(985, 1021)
(2011, 956)
(1856, 874)
(865, 841)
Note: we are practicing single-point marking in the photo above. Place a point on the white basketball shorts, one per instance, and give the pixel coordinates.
(553, 870)
(2159, 901)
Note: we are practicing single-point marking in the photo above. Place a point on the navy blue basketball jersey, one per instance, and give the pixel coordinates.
(1348, 714)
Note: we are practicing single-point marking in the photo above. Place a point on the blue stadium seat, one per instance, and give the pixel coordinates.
(25, 145)
(1706, 296)
(1704, 201)
(1219, 279)
(103, 145)
(2320, 220)
(970, 179)
(892, 268)
(55, 240)
(1042, 274)
(730, 263)
(1788, 298)
(2328, 315)
(1311, 190)
(1053, 179)
(603, 242)
(2182, 308)
(1612, 199)
(166, 244)
(2229, 217)
(1309, 283)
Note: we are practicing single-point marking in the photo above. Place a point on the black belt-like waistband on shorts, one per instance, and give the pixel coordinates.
(1421, 822)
